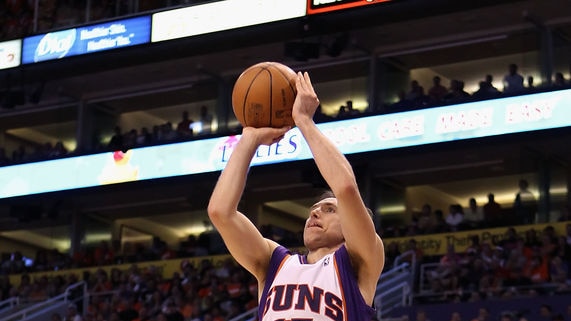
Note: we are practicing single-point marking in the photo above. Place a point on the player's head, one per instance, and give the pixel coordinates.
(323, 227)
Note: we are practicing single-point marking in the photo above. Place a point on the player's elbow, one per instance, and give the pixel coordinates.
(216, 212)
(347, 188)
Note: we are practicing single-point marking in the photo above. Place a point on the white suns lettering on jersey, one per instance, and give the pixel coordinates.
(302, 297)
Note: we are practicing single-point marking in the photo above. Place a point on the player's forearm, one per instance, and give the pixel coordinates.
(332, 164)
(230, 186)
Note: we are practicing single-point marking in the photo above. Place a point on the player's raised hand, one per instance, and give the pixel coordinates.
(264, 135)
(306, 100)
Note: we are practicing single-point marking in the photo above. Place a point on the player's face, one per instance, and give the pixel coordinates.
(322, 227)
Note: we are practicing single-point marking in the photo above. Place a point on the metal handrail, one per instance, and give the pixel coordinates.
(9, 303)
(40, 307)
(386, 301)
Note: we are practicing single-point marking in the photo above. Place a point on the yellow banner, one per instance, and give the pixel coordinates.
(166, 267)
(436, 244)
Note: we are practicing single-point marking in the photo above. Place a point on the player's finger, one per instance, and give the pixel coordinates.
(308, 82)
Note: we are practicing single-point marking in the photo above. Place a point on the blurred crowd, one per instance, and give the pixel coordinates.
(535, 263)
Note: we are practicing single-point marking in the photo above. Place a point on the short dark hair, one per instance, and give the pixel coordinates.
(329, 194)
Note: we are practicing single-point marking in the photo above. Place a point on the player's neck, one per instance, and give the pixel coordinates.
(317, 254)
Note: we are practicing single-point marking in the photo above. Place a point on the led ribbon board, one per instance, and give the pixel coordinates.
(85, 40)
(433, 125)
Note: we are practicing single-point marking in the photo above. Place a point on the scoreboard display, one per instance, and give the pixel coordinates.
(321, 6)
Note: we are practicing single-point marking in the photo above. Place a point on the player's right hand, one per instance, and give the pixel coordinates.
(265, 135)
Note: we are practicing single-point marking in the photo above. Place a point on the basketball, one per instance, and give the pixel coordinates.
(263, 95)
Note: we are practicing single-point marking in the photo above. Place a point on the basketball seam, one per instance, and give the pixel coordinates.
(271, 97)
(246, 96)
(293, 89)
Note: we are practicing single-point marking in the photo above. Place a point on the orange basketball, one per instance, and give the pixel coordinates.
(263, 95)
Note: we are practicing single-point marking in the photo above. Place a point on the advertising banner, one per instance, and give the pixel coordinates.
(85, 40)
(432, 125)
(437, 244)
(10, 53)
(222, 15)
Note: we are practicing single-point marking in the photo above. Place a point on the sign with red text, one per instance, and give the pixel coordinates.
(321, 6)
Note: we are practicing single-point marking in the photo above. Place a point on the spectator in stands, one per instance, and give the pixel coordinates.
(494, 92)
(116, 141)
(531, 239)
(59, 150)
(440, 225)
(537, 269)
(456, 94)
(103, 254)
(416, 94)
(525, 204)
(130, 139)
(559, 273)
(351, 111)
(559, 81)
(513, 81)
(510, 240)
(425, 222)
(492, 212)
(342, 112)
(183, 128)
(530, 84)
(483, 91)
(168, 134)
(473, 215)
(391, 253)
(472, 270)
(413, 254)
(446, 275)
(205, 120)
(144, 137)
(455, 217)
(437, 92)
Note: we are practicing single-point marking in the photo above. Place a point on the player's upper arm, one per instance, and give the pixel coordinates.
(245, 243)
(361, 240)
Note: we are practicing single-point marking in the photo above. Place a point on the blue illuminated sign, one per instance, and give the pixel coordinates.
(413, 128)
(89, 39)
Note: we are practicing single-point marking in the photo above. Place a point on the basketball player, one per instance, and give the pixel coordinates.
(337, 278)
